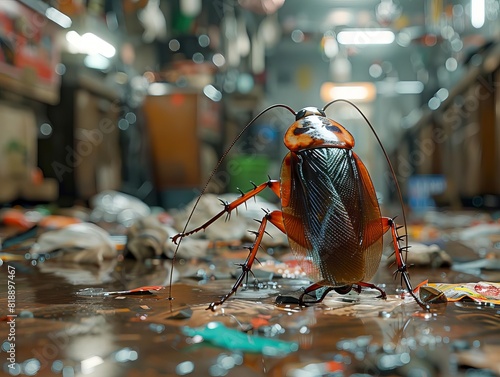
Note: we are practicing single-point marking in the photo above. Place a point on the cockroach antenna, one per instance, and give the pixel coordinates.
(322, 182)
(203, 191)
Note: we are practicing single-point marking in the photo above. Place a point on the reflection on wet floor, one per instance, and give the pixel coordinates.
(116, 318)
(61, 332)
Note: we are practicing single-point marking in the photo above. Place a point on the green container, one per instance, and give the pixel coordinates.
(245, 169)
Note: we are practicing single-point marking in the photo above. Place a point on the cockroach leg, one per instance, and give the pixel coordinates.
(345, 289)
(229, 207)
(246, 268)
(402, 267)
(323, 291)
(360, 285)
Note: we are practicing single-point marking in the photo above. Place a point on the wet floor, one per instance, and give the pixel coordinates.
(61, 331)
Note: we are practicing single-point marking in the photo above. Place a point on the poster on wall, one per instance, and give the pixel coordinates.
(29, 53)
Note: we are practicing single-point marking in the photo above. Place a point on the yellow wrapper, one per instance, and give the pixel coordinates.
(481, 292)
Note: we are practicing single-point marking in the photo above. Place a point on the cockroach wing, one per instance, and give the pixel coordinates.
(331, 215)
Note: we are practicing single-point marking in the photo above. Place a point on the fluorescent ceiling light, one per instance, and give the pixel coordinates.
(409, 87)
(365, 37)
(389, 87)
(477, 13)
(90, 44)
(356, 91)
(98, 45)
(96, 61)
(59, 18)
(73, 37)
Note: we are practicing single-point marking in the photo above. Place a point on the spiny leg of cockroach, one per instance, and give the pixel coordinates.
(345, 289)
(246, 267)
(358, 287)
(274, 217)
(320, 292)
(402, 268)
(274, 185)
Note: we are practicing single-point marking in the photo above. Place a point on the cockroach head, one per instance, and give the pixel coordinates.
(309, 111)
(312, 129)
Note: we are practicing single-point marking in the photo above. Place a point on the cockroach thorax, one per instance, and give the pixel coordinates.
(312, 129)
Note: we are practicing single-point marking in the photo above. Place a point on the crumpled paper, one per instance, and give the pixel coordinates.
(114, 206)
(78, 243)
(150, 238)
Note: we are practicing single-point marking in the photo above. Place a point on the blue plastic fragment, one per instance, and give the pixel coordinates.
(222, 336)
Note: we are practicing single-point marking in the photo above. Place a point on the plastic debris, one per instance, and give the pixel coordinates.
(222, 336)
(426, 255)
(483, 292)
(57, 221)
(93, 292)
(182, 314)
(19, 237)
(113, 206)
(480, 230)
(26, 314)
(477, 265)
(148, 237)
(327, 368)
(79, 243)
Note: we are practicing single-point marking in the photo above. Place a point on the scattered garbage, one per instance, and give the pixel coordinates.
(93, 292)
(483, 292)
(112, 206)
(220, 335)
(78, 243)
(423, 255)
(354, 334)
(148, 237)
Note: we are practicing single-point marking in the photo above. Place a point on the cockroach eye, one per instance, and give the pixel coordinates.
(333, 128)
(300, 131)
(300, 114)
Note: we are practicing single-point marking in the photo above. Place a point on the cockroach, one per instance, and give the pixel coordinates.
(329, 209)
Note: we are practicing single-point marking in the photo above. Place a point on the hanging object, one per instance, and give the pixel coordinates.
(330, 45)
(242, 40)
(433, 13)
(340, 68)
(230, 33)
(270, 31)
(262, 6)
(153, 21)
(190, 8)
(258, 54)
(387, 12)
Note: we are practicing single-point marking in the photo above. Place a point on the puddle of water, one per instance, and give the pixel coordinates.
(61, 332)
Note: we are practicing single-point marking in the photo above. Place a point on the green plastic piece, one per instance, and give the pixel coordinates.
(221, 336)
